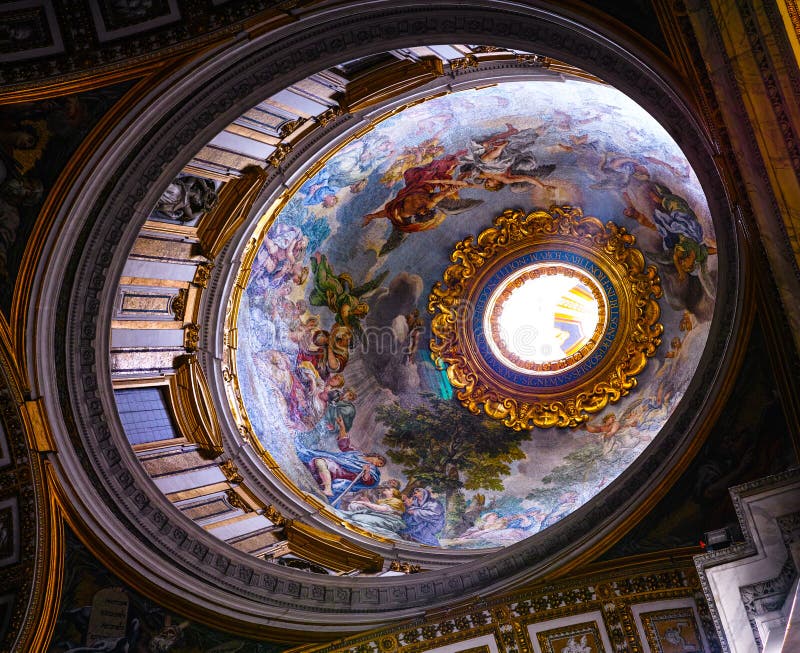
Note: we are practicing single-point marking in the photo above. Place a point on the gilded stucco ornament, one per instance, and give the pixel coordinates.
(558, 391)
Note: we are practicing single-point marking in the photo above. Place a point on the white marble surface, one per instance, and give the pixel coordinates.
(760, 509)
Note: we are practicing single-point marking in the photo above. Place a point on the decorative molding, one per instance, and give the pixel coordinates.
(191, 337)
(274, 515)
(331, 551)
(233, 207)
(202, 274)
(404, 567)
(794, 17)
(37, 425)
(231, 471)
(329, 115)
(178, 304)
(281, 150)
(237, 501)
(533, 60)
(469, 61)
(32, 550)
(628, 331)
(768, 497)
(193, 407)
(384, 83)
(289, 127)
(604, 599)
(107, 214)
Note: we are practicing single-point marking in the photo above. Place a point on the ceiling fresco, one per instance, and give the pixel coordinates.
(333, 357)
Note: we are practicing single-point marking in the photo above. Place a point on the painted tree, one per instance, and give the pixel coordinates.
(582, 468)
(445, 447)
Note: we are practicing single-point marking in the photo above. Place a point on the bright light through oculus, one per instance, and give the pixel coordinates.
(544, 315)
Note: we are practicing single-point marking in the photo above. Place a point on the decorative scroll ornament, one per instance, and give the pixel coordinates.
(599, 368)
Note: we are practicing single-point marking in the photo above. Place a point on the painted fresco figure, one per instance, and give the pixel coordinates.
(349, 169)
(412, 156)
(327, 351)
(415, 327)
(607, 430)
(618, 170)
(429, 195)
(339, 294)
(304, 403)
(424, 517)
(280, 258)
(505, 159)
(341, 411)
(347, 470)
(383, 516)
(689, 284)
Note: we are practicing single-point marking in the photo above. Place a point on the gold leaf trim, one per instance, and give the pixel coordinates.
(193, 408)
(609, 246)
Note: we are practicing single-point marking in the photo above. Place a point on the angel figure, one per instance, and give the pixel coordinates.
(503, 159)
(688, 283)
(339, 294)
(413, 156)
(430, 194)
(618, 170)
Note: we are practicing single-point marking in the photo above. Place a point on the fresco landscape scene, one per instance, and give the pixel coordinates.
(333, 358)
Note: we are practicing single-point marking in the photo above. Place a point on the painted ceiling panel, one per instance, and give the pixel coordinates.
(333, 357)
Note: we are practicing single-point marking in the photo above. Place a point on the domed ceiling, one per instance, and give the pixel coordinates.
(333, 360)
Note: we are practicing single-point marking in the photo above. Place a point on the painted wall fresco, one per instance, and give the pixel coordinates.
(100, 613)
(333, 356)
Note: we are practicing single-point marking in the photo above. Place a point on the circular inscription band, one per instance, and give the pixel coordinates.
(539, 317)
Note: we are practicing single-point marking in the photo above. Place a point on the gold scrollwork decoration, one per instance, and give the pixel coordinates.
(193, 407)
(609, 247)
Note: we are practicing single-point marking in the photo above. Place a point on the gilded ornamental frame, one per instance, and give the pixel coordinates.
(596, 376)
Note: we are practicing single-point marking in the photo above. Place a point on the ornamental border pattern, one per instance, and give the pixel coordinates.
(737, 551)
(507, 617)
(21, 480)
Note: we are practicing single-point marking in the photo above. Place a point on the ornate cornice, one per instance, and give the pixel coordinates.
(33, 535)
